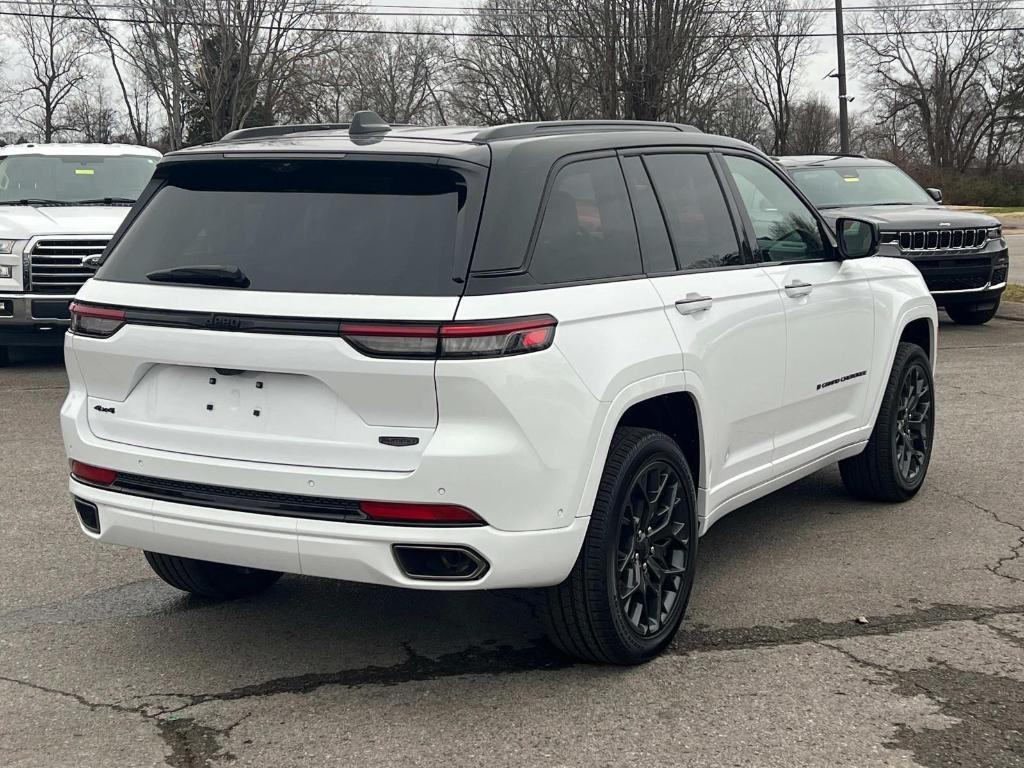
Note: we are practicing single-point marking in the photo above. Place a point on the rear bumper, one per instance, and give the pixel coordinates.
(33, 319)
(347, 551)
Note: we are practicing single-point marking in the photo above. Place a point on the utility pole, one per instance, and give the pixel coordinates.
(844, 118)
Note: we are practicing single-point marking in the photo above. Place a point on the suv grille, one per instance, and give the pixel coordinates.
(55, 264)
(942, 239)
(955, 274)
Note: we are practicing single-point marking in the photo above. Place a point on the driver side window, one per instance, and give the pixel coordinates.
(786, 229)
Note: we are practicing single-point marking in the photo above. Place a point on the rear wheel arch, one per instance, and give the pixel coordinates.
(677, 414)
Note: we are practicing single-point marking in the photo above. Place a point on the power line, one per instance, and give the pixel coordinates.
(426, 11)
(452, 33)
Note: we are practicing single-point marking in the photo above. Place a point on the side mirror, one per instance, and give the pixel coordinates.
(857, 238)
(935, 194)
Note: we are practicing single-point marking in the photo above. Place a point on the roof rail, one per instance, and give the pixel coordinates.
(264, 131)
(555, 127)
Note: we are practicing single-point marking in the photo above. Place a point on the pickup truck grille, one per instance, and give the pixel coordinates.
(55, 264)
(942, 239)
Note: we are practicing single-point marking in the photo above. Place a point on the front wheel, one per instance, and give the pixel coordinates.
(894, 463)
(964, 314)
(627, 593)
(217, 581)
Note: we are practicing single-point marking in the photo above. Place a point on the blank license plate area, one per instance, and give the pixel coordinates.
(248, 402)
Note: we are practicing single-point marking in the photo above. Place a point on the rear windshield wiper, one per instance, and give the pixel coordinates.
(106, 201)
(203, 274)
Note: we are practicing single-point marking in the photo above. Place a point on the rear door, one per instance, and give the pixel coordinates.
(725, 311)
(256, 368)
(829, 314)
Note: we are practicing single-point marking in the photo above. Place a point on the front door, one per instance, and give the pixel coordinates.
(829, 317)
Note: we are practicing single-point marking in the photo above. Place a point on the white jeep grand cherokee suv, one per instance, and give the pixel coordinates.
(541, 355)
(59, 205)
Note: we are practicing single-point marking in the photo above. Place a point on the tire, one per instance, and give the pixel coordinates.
(5, 356)
(964, 314)
(216, 581)
(881, 472)
(585, 616)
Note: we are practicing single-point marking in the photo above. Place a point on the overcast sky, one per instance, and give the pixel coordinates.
(813, 77)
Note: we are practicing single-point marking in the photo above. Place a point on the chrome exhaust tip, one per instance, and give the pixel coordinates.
(433, 562)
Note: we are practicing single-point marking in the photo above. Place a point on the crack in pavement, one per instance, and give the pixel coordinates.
(193, 744)
(1015, 551)
(988, 710)
(815, 630)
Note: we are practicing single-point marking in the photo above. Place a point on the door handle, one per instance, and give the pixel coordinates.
(693, 303)
(798, 288)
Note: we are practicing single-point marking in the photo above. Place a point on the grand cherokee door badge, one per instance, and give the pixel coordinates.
(841, 379)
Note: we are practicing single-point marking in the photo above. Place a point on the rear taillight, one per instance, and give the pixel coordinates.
(477, 338)
(87, 473)
(438, 514)
(98, 322)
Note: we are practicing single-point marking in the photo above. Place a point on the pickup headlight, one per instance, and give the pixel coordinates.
(7, 246)
(994, 233)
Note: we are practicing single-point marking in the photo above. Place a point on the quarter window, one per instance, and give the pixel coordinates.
(785, 228)
(588, 231)
(696, 211)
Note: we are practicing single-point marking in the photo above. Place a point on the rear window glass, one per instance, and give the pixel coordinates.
(695, 207)
(588, 231)
(379, 228)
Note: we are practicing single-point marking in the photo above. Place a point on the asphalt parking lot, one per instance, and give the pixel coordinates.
(822, 631)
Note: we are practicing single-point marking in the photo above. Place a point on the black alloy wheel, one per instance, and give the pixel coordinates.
(654, 548)
(912, 435)
(626, 595)
(894, 463)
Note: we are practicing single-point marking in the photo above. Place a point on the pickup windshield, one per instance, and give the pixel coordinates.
(324, 226)
(839, 187)
(73, 179)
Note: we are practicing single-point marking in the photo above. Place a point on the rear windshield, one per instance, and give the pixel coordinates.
(324, 226)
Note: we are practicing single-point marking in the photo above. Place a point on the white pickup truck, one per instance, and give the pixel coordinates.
(59, 205)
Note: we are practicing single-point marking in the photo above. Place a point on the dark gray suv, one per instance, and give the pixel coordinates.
(961, 255)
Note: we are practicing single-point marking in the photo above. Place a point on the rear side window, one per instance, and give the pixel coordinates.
(696, 211)
(650, 226)
(587, 232)
(379, 228)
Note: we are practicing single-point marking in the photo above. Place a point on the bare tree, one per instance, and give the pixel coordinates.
(399, 74)
(111, 40)
(771, 60)
(55, 63)
(524, 66)
(943, 78)
(649, 59)
(244, 52)
(734, 112)
(92, 116)
(813, 127)
(157, 45)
